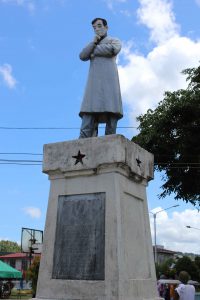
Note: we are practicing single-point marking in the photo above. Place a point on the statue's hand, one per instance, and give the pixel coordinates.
(96, 39)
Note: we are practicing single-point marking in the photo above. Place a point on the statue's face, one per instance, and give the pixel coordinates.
(99, 28)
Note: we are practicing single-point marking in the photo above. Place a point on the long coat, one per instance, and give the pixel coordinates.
(102, 93)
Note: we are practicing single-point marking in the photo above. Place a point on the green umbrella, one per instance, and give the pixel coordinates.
(7, 272)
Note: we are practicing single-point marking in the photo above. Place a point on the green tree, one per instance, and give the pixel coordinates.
(197, 262)
(166, 269)
(32, 273)
(186, 264)
(172, 133)
(9, 246)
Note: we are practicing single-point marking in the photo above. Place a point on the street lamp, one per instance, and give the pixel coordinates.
(154, 219)
(192, 227)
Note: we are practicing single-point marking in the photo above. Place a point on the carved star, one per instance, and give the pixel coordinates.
(138, 162)
(79, 158)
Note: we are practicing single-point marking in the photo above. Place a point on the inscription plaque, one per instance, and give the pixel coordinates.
(79, 251)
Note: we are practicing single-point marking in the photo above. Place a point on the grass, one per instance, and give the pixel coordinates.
(21, 294)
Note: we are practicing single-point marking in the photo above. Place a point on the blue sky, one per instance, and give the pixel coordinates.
(42, 82)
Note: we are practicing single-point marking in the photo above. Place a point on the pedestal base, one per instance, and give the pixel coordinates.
(97, 243)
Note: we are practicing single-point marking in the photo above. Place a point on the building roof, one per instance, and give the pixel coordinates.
(5, 252)
(165, 251)
(14, 255)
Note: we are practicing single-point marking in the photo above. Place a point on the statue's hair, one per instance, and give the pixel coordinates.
(103, 20)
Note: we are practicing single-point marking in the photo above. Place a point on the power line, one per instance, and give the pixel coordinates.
(57, 128)
(184, 167)
(21, 164)
(184, 164)
(19, 153)
(22, 160)
(177, 163)
(37, 128)
(170, 164)
(64, 128)
(157, 163)
(39, 162)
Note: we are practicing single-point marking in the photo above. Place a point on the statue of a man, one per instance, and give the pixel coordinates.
(102, 100)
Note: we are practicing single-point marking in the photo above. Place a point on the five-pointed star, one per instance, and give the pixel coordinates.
(79, 158)
(138, 161)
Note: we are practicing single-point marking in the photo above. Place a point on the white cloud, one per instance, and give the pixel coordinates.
(126, 12)
(32, 5)
(198, 2)
(28, 4)
(33, 212)
(144, 79)
(111, 3)
(158, 16)
(172, 232)
(4, 239)
(6, 74)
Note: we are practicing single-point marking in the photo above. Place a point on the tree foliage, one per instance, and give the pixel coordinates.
(172, 133)
(9, 246)
(186, 264)
(172, 267)
(32, 273)
(166, 269)
(197, 262)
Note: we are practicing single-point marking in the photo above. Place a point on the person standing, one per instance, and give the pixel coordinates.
(166, 293)
(102, 99)
(184, 291)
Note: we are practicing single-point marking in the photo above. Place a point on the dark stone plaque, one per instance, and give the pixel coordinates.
(79, 250)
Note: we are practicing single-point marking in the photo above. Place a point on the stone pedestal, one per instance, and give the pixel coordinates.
(97, 243)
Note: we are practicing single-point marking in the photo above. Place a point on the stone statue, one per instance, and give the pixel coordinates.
(102, 100)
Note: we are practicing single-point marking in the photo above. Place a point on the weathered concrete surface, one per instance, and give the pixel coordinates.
(110, 166)
(58, 157)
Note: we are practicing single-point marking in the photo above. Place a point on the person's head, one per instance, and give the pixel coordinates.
(100, 26)
(184, 277)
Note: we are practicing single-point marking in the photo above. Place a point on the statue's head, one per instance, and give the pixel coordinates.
(100, 26)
